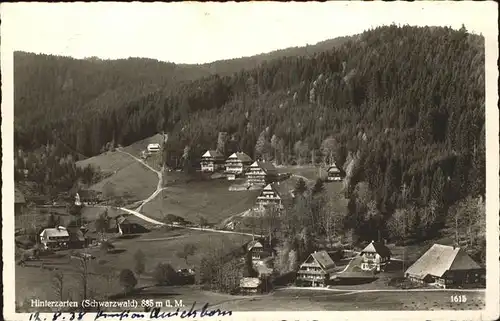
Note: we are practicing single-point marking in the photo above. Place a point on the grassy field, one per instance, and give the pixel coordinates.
(109, 162)
(134, 182)
(137, 147)
(299, 300)
(308, 171)
(159, 246)
(211, 199)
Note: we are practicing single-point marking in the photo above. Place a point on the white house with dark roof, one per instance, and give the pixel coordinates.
(334, 173)
(259, 249)
(316, 269)
(375, 256)
(54, 238)
(446, 266)
(261, 173)
(212, 161)
(268, 197)
(237, 164)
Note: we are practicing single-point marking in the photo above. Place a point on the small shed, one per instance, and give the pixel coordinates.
(250, 285)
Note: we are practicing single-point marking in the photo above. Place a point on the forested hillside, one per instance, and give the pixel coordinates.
(401, 109)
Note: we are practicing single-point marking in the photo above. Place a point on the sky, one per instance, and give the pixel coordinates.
(204, 32)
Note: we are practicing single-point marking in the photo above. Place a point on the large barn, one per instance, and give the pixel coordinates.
(446, 266)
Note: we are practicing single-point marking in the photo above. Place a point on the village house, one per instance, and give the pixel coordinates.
(125, 225)
(269, 197)
(261, 173)
(237, 164)
(446, 267)
(316, 269)
(154, 148)
(251, 285)
(375, 256)
(334, 173)
(259, 249)
(212, 161)
(86, 197)
(19, 202)
(54, 238)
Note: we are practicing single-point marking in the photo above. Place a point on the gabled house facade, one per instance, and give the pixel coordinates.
(259, 250)
(212, 161)
(126, 225)
(375, 257)
(334, 174)
(446, 267)
(237, 164)
(316, 269)
(55, 238)
(269, 197)
(261, 173)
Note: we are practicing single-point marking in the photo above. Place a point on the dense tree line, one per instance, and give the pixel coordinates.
(399, 109)
(53, 170)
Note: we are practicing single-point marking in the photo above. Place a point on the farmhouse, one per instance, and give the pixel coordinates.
(125, 225)
(53, 238)
(86, 197)
(237, 164)
(269, 197)
(334, 173)
(250, 285)
(259, 249)
(261, 173)
(447, 267)
(154, 148)
(19, 202)
(375, 257)
(212, 161)
(316, 269)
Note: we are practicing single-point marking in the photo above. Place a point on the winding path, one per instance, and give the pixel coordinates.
(158, 190)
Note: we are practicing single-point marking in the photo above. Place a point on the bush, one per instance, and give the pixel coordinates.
(165, 274)
(127, 280)
(106, 246)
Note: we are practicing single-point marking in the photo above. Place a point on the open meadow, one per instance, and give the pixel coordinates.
(159, 246)
(134, 182)
(210, 199)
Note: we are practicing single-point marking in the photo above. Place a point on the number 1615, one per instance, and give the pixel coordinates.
(458, 298)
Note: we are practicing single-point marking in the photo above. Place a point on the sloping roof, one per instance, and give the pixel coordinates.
(122, 220)
(19, 197)
(324, 260)
(439, 259)
(333, 169)
(55, 232)
(265, 166)
(271, 187)
(376, 247)
(254, 243)
(250, 282)
(240, 156)
(212, 153)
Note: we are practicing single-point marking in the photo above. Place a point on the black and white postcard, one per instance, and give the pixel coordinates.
(252, 160)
